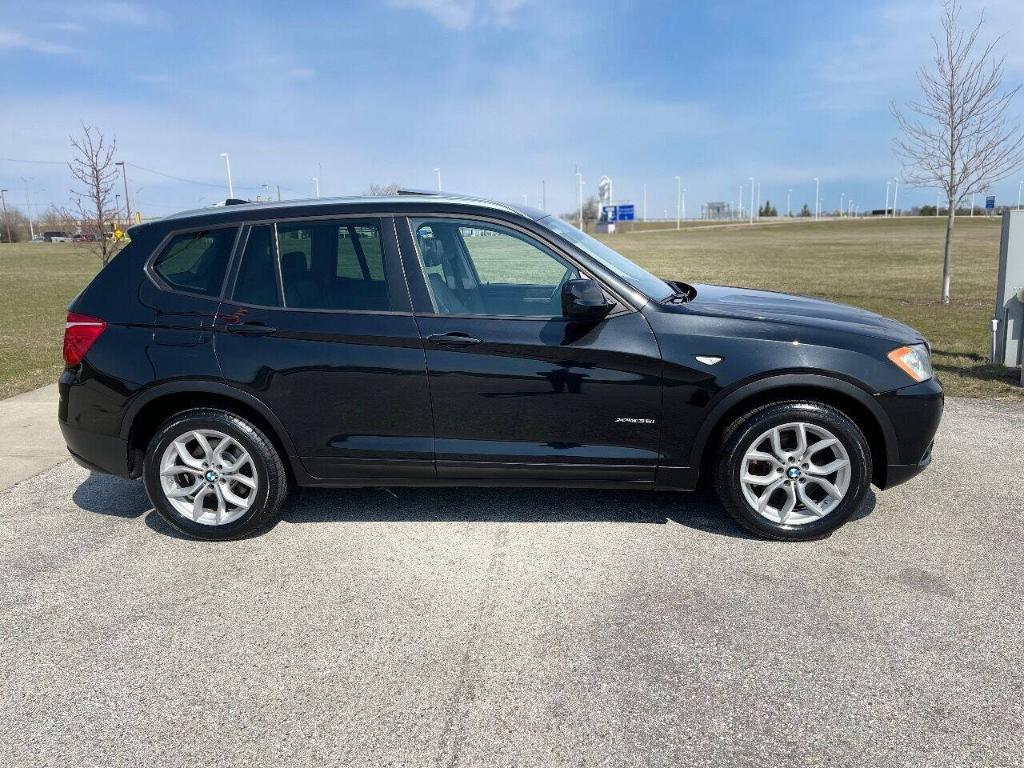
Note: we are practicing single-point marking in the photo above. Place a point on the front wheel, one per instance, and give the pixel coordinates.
(793, 470)
(214, 475)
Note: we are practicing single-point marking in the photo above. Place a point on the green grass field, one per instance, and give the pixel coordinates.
(891, 267)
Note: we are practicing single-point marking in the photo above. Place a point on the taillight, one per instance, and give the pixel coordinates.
(80, 333)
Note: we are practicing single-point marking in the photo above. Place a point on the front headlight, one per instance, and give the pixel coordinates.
(913, 361)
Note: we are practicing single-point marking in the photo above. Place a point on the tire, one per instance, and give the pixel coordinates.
(803, 501)
(232, 468)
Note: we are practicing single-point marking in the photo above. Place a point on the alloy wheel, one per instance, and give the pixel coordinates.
(795, 473)
(208, 477)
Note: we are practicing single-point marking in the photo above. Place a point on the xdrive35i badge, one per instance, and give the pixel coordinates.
(628, 420)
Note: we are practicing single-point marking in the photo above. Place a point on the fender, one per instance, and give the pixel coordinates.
(783, 381)
(209, 387)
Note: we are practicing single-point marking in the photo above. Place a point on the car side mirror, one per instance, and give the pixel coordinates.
(583, 299)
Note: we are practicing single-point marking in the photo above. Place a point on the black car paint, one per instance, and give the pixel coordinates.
(399, 397)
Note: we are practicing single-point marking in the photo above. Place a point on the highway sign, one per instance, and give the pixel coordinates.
(990, 203)
(627, 212)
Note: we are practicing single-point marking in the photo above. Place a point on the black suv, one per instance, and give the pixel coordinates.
(228, 353)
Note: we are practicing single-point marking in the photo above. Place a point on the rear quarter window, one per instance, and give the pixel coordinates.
(196, 262)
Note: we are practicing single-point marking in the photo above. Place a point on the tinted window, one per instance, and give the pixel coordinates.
(257, 275)
(484, 269)
(196, 261)
(333, 265)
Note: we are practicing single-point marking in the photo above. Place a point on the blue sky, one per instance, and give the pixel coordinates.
(500, 94)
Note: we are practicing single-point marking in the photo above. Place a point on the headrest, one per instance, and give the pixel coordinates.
(293, 262)
(432, 251)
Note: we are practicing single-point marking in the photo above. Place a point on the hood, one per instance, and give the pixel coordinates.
(748, 304)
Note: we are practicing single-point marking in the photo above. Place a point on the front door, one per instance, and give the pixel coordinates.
(318, 326)
(519, 392)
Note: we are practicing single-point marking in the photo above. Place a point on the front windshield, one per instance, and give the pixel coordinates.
(618, 264)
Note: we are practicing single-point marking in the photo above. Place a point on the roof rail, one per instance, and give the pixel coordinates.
(402, 191)
(230, 201)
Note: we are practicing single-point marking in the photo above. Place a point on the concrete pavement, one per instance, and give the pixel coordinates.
(501, 627)
(31, 438)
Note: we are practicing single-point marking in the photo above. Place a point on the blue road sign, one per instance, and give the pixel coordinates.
(627, 212)
(990, 203)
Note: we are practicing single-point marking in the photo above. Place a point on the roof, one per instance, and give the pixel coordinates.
(406, 200)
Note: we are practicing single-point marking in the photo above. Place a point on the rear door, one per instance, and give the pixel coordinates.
(519, 392)
(317, 324)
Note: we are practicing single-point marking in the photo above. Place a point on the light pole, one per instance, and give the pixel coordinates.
(972, 203)
(7, 222)
(842, 196)
(127, 203)
(887, 185)
(937, 203)
(751, 178)
(817, 198)
(789, 196)
(438, 172)
(117, 211)
(739, 204)
(679, 196)
(758, 214)
(316, 187)
(227, 164)
(579, 188)
(684, 202)
(28, 205)
(895, 194)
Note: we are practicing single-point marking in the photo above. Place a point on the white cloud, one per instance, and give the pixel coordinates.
(460, 14)
(301, 73)
(13, 40)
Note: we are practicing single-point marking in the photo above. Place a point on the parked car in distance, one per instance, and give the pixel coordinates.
(230, 353)
(56, 237)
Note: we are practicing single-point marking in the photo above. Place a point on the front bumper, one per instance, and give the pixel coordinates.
(915, 413)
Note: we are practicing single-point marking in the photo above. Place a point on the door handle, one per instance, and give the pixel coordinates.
(455, 339)
(251, 329)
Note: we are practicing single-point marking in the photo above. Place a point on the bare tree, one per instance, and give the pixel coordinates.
(93, 166)
(956, 137)
(381, 190)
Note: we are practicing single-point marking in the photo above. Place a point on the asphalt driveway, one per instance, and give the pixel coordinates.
(513, 627)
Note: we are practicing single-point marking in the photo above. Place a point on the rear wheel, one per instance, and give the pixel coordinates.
(793, 470)
(214, 475)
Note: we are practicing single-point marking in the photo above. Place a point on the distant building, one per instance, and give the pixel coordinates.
(716, 211)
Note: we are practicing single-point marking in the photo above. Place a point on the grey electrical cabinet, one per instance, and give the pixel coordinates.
(1009, 337)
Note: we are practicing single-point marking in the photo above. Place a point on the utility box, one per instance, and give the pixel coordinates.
(1009, 331)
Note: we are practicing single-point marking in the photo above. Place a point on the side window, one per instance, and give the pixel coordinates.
(484, 269)
(196, 261)
(257, 275)
(333, 265)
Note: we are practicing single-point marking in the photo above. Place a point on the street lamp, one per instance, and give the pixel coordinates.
(751, 178)
(579, 179)
(684, 202)
(28, 205)
(758, 214)
(817, 198)
(789, 196)
(117, 210)
(895, 194)
(887, 185)
(972, 203)
(679, 196)
(438, 172)
(127, 203)
(842, 196)
(227, 164)
(316, 187)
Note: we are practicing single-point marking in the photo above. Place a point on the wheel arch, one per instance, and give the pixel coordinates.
(843, 395)
(151, 409)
